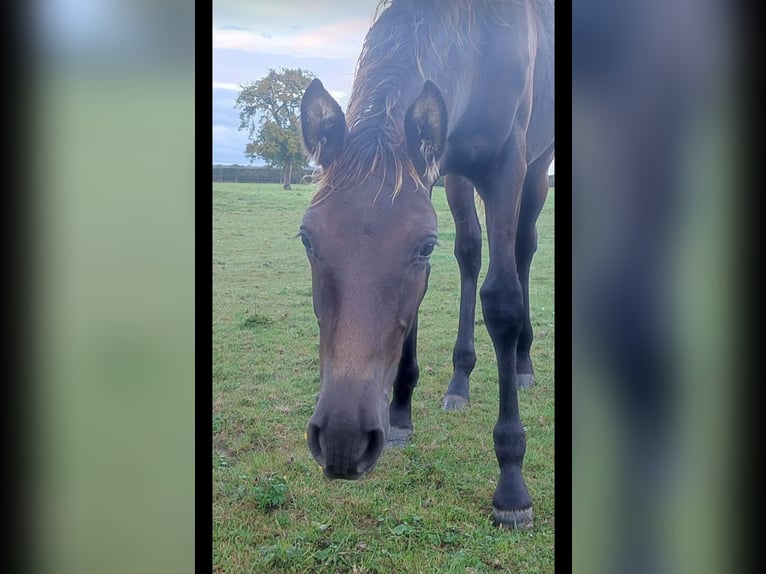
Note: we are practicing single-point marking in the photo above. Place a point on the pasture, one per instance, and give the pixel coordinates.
(424, 508)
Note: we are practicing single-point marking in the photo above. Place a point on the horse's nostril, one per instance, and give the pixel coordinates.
(312, 437)
(375, 443)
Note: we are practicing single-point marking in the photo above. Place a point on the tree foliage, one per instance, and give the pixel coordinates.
(269, 110)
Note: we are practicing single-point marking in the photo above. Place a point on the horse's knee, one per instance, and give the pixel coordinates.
(502, 303)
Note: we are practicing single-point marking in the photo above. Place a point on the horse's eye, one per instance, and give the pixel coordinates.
(307, 244)
(427, 249)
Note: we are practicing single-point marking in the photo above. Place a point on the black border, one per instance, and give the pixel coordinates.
(204, 296)
(746, 494)
(16, 235)
(563, 289)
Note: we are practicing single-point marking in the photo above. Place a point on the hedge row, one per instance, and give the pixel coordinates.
(252, 174)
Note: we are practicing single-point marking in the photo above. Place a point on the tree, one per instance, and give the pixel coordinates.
(269, 110)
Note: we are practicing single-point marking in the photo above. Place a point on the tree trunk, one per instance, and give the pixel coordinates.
(288, 175)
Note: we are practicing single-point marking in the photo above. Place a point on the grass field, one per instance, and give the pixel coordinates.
(425, 508)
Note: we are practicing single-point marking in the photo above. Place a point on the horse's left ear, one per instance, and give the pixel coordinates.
(425, 128)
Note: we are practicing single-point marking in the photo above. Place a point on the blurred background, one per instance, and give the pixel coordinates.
(112, 155)
(656, 112)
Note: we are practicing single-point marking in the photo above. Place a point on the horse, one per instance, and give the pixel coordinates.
(448, 87)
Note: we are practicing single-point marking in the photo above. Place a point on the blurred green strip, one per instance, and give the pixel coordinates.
(115, 325)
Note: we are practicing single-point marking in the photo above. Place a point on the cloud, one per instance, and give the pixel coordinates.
(226, 86)
(335, 40)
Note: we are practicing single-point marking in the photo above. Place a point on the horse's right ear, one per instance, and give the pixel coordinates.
(425, 129)
(323, 124)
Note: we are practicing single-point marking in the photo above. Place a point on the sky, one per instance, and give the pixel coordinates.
(249, 38)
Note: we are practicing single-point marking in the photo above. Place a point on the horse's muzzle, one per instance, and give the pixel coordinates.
(344, 449)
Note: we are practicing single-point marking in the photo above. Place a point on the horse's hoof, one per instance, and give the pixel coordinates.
(398, 437)
(454, 403)
(524, 380)
(520, 519)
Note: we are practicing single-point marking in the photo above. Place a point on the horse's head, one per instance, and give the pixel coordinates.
(368, 235)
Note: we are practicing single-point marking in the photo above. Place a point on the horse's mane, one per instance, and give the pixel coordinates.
(407, 43)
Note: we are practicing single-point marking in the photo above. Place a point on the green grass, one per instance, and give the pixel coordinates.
(425, 508)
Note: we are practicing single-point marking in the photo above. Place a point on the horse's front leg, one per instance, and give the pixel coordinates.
(468, 254)
(400, 410)
(502, 301)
